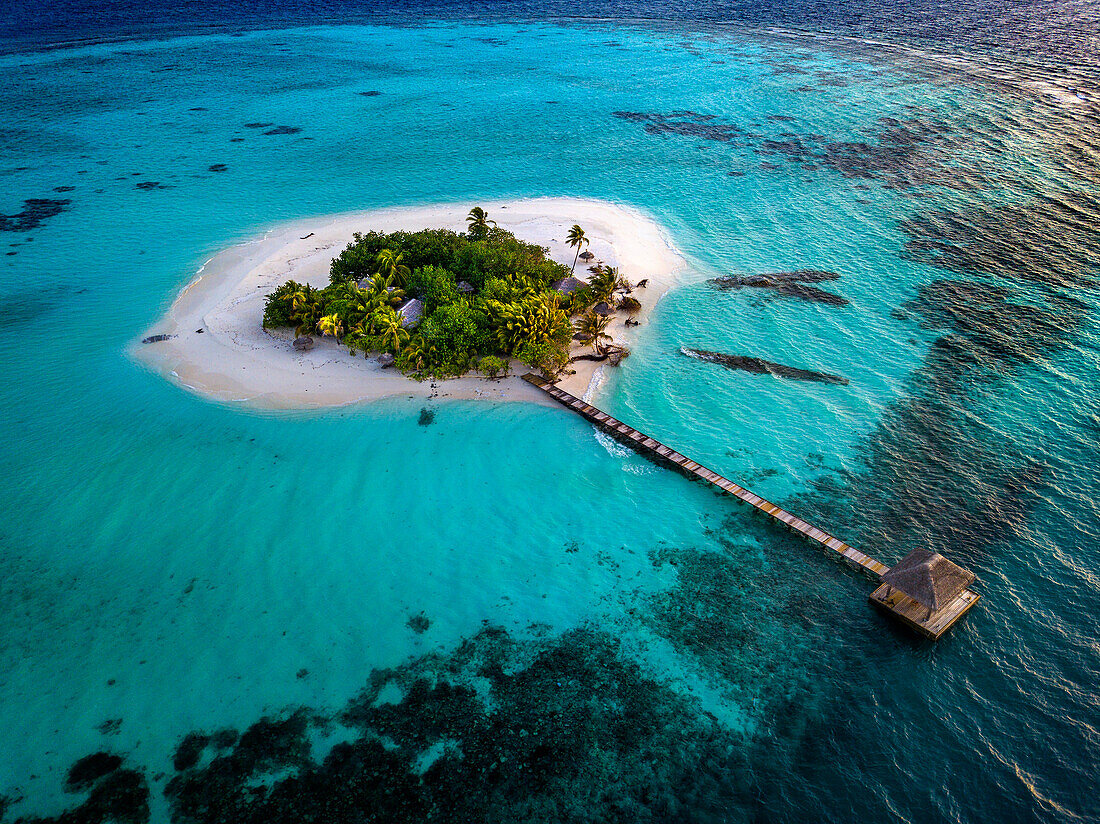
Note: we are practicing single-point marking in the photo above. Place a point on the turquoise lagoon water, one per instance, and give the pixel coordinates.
(172, 566)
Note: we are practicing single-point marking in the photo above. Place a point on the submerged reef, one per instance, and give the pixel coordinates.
(789, 284)
(760, 366)
(35, 212)
(565, 728)
(898, 154)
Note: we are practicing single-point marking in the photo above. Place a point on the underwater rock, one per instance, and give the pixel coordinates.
(811, 293)
(156, 338)
(284, 130)
(36, 210)
(371, 93)
(760, 366)
(303, 343)
(419, 623)
(257, 125)
(189, 751)
(218, 167)
(149, 185)
(790, 284)
(90, 769)
(119, 797)
(426, 416)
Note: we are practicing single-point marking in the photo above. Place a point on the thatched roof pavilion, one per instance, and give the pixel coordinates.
(567, 285)
(411, 312)
(929, 578)
(926, 582)
(587, 256)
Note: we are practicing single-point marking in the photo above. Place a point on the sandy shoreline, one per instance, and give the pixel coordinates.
(234, 360)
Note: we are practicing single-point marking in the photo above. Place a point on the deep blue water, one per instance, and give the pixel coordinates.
(496, 615)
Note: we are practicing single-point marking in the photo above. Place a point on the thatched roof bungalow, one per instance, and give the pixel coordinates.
(411, 312)
(926, 591)
(567, 286)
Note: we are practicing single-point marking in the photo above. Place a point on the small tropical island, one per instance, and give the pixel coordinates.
(437, 303)
(441, 301)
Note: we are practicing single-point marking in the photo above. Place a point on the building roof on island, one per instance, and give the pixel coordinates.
(567, 285)
(411, 312)
(929, 578)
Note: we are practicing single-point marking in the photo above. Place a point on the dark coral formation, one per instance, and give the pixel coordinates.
(760, 366)
(419, 623)
(119, 797)
(427, 416)
(89, 769)
(1047, 240)
(500, 730)
(560, 728)
(36, 210)
(789, 284)
(685, 124)
(898, 154)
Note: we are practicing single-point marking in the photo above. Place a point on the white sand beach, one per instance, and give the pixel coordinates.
(234, 360)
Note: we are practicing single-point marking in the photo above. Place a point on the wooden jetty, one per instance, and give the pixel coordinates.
(908, 609)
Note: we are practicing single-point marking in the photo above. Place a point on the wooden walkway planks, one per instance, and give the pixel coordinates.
(917, 615)
(646, 444)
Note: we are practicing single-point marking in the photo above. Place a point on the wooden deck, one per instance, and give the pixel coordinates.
(911, 612)
(915, 614)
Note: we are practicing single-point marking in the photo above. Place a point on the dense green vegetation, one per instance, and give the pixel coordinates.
(487, 298)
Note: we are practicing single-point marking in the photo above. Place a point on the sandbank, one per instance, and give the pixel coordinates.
(219, 350)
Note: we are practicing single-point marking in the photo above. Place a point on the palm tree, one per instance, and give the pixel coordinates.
(390, 265)
(576, 237)
(479, 223)
(392, 333)
(593, 327)
(415, 354)
(331, 325)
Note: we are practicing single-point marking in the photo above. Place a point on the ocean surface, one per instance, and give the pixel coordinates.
(459, 611)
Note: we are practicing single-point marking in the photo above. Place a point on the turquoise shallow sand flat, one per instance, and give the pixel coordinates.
(169, 565)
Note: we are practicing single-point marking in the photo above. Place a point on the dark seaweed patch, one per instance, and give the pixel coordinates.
(150, 185)
(760, 366)
(90, 769)
(553, 729)
(371, 93)
(35, 212)
(789, 284)
(217, 167)
(258, 125)
(419, 623)
(62, 189)
(426, 417)
(685, 124)
(284, 130)
(120, 797)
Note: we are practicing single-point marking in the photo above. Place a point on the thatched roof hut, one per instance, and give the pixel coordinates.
(587, 256)
(567, 285)
(602, 308)
(929, 578)
(411, 312)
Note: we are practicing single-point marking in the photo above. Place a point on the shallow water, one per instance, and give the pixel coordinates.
(172, 566)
